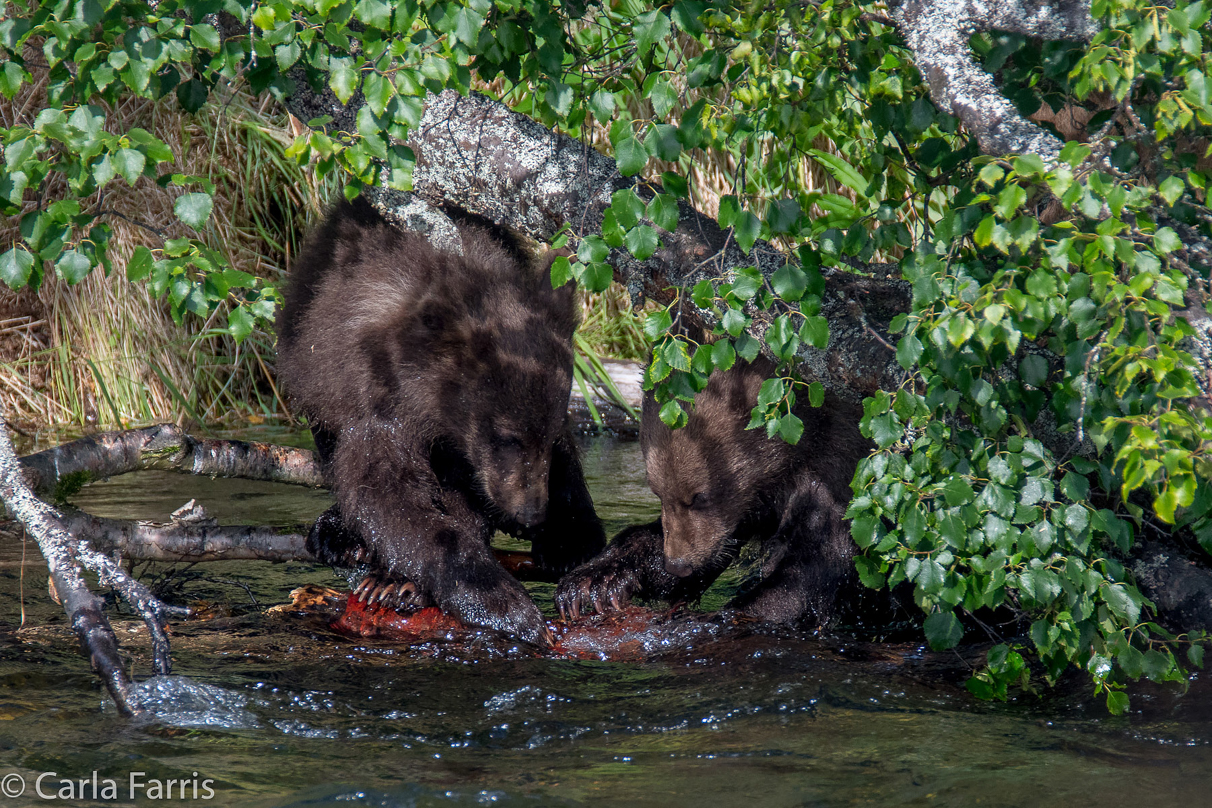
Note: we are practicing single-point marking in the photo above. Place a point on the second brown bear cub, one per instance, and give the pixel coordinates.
(722, 486)
(437, 388)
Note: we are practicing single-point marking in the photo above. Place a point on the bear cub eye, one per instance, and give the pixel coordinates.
(699, 501)
(508, 444)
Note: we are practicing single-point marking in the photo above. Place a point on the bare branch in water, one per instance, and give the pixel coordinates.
(151, 541)
(64, 557)
(58, 471)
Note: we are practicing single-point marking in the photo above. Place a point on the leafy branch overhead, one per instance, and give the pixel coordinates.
(937, 31)
(987, 220)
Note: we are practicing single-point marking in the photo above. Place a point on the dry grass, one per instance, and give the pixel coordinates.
(103, 351)
(610, 325)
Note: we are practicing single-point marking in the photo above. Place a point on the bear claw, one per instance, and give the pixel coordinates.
(374, 593)
(595, 593)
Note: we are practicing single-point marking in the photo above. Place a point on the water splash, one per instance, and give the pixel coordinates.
(632, 634)
(182, 702)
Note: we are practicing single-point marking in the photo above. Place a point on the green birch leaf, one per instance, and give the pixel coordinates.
(73, 266)
(649, 28)
(842, 171)
(140, 264)
(631, 156)
(129, 164)
(943, 630)
(642, 241)
(342, 78)
(748, 227)
(16, 265)
(193, 209)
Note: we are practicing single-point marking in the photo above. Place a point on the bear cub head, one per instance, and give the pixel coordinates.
(721, 485)
(711, 474)
(502, 359)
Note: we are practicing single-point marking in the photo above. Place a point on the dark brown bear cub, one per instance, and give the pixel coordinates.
(722, 486)
(437, 389)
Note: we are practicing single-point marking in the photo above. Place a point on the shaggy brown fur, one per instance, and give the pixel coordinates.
(722, 486)
(437, 388)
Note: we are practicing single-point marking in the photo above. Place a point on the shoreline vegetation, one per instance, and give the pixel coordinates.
(104, 354)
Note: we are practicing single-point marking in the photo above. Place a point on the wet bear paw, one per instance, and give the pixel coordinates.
(500, 603)
(596, 588)
(334, 544)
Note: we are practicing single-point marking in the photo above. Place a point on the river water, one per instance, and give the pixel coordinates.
(281, 711)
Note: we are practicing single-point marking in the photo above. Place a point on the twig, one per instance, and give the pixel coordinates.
(243, 586)
(858, 312)
(126, 218)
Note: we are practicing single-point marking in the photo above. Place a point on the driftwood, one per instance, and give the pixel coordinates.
(56, 472)
(59, 471)
(182, 541)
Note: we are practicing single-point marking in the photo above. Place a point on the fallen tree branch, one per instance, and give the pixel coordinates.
(56, 473)
(94, 632)
(937, 31)
(172, 542)
(139, 540)
(1178, 586)
(475, 153)
(64, 558)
